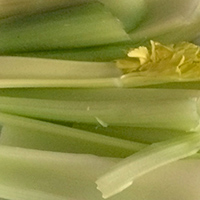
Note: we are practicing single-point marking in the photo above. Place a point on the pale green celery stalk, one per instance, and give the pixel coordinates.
(80, 26)
(24, 7)
(30, 133)
(152, 157)
(148, 108)
(137, 134)
(38, 68)
(32, 174)
(61, 83)
(129, 12)
(169, 21)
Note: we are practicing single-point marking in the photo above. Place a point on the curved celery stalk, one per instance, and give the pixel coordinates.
(169, 21)
(150, 108)
(129, 12)
(125, 172)
(79, 26)
(35, 134)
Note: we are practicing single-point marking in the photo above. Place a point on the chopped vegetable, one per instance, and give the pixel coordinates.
(109, 104)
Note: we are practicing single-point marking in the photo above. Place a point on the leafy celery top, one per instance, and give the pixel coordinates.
(178, 62)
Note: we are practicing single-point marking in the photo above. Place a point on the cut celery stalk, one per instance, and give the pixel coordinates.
(149, 108)
(85, 25)
(129, 12)
(125, 172)
(32, 174)
(23, 7)
(25, 68)
(169, 21)
(29, 133)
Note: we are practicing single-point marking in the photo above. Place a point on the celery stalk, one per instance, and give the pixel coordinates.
(29, 133)
(100, 53)
(125, 172)
(129, 12)
(169, 21)
(106, 94)
(137, 134)
(25, 68)
(143, 67)
(148, 108)
(65, 28)
(159, 64)
(23, 7)
(32, 174)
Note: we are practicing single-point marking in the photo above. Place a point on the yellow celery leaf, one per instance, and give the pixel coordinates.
(175, 61)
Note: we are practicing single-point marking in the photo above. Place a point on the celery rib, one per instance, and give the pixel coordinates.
(169, 21)
(23, 7)
(32, 174)
(29, 133)
(182, 108)
(65, 28)
(45, 175)
(17, 68)
(137, 134)
(100, 53)
(143, 67)
(129, 12)
(125, 172)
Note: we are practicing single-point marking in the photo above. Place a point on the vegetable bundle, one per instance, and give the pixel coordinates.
(99, 99)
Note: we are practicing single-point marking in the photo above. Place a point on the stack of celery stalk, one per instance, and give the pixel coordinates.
(100, 99)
